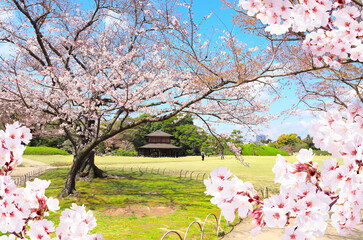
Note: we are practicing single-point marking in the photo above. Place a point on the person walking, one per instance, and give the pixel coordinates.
(203, 155)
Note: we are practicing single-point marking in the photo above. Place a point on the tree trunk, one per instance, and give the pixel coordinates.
(83, 168)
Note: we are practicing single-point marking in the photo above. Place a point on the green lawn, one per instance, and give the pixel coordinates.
(143, 207)
(259, 173)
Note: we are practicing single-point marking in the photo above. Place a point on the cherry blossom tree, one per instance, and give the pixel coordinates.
(320, 45)
(309, 195)
(94, 69)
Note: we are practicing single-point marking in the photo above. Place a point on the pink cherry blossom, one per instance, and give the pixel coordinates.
(23, 210)
(293, 233)
(305, 155)
(333, 29)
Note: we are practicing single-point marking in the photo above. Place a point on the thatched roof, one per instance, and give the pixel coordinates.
(159, 133)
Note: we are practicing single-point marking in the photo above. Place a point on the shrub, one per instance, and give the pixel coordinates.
(44, 151)
(272, 144)
(261, 150)
(248, 150)
(121, 152)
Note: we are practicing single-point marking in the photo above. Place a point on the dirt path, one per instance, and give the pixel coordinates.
(242, 232)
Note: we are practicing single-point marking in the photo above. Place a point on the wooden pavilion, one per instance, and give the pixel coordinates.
(158, 145)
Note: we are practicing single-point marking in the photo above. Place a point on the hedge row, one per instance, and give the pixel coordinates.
(44, 151)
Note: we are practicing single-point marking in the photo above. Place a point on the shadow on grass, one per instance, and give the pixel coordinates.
(110, 198)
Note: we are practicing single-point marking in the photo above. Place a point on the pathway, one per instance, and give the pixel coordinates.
(242, 232)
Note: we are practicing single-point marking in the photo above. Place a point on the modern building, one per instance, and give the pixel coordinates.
(158, 145)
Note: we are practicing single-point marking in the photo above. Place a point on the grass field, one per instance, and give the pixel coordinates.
(259, 173)
(145, 206)
(148, 205)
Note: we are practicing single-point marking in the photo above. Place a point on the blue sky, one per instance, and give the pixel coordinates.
(222, 19)
(299, 124)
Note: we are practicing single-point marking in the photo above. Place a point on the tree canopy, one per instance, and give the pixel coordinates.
(88, 67)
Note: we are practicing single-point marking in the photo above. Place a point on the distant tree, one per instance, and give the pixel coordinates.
(288, 142)
(214, 146)
(267, 141)
(272, 144)
(121, 141)
(309, 142)
(170, 125)
(190, 139)
(291, 139)
(211, 146)
(237, 136)
(139, 133)
(49, 136)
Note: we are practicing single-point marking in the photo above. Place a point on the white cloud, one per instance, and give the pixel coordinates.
(114, 19)
(6, 49)
(291, 125)
(305, 124)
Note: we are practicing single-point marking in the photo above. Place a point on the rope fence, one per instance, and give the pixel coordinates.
(21, 180)
(190, 175)
(186, 174)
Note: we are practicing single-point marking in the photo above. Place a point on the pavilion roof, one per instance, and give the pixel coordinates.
(159, 146)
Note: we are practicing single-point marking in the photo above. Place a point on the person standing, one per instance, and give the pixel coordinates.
(203, 155)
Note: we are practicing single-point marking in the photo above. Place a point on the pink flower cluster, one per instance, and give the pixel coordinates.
(333, 28)
(23, 210)
(340, 133)
(307, 193)
(11, 149)
(231, 194)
